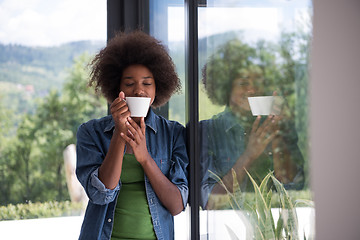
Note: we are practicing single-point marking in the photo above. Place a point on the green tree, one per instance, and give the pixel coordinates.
(52, 137)
(31, 165)
(295, 52)
(19, 164)
(5, 129)
(80, 101)
(58, 118)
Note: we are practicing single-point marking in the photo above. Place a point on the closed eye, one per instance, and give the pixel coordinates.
(240, 84)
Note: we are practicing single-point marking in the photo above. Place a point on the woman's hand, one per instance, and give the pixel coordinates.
(120, 112)
(136, 139)
(261, 136)
(166, 191)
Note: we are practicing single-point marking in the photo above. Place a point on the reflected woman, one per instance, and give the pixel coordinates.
(234, 138)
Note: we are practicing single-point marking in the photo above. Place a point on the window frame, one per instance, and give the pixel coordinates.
(128, 15)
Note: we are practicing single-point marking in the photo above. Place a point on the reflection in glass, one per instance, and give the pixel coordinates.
(239, 150)
(234, 138)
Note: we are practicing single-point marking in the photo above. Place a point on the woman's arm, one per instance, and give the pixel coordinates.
(89, 158)
(167, 192)
(260, 137)
(285, 169)
(110, 169)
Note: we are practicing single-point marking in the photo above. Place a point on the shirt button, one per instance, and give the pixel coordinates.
(109, 220)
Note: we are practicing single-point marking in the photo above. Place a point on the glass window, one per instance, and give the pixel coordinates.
(167, 23)
(253, 108)
(44, 49)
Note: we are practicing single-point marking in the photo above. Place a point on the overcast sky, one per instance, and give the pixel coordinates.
(51, 22)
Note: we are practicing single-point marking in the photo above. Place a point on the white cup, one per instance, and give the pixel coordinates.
(138, 106)
(265, 105)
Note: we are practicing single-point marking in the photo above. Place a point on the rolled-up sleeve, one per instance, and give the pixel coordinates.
(89, 158)
(178, 171)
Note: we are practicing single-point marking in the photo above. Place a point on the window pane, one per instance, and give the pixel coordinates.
(167, 24)
(44, 49)
(254, 51)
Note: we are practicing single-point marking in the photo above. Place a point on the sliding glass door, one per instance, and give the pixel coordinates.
(253, 110)
(250, 148)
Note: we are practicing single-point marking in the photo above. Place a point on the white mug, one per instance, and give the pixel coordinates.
(265, 105)
(138, 106)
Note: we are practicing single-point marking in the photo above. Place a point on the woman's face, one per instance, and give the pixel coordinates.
(138, 81)
(242, 88)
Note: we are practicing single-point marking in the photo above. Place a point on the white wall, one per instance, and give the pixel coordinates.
(335, 118)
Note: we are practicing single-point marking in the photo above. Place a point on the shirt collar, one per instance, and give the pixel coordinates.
(231, 120)
(150, 121)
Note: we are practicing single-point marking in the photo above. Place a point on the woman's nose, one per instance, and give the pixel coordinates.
(251, 90)
(139, 91)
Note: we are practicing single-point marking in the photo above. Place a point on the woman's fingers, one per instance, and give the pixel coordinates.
(137, 132)
(118, 105)
(270, 137)
(255, 124)
(132, 130)
(120, 112)
(121, 95)
(267, 130)
(259, 128)
(143, 126)
(127, 138)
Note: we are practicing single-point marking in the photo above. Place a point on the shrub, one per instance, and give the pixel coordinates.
(40, 210)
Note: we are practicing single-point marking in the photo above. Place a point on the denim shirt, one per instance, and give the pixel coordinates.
(166, 144)
(223, 141)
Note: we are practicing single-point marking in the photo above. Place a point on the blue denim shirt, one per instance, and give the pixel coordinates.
(223, 141)
(166, 144)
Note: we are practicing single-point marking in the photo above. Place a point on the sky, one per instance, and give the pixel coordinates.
(258, 18)
(51, 22)
(54, 22)
(212, 21)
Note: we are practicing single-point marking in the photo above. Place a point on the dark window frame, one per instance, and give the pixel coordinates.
(127, 15)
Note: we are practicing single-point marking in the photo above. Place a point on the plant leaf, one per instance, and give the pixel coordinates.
(288, 212)
(279, 226)
(232, 199)
(305, 202)
(264, 183)
(265, 221)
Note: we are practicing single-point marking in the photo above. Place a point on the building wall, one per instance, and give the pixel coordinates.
(335, 118)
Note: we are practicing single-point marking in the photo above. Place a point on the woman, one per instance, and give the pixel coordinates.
(235, 139)
(132, 169)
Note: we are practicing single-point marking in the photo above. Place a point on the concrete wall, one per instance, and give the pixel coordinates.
(335, 118)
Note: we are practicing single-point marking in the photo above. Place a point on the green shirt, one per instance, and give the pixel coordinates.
(132, 218)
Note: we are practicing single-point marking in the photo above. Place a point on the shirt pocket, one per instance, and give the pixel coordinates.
(165, 164)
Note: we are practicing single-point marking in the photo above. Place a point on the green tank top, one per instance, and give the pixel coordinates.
(132, 218)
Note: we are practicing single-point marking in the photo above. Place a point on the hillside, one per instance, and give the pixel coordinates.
(27, 73)
(40, 67)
